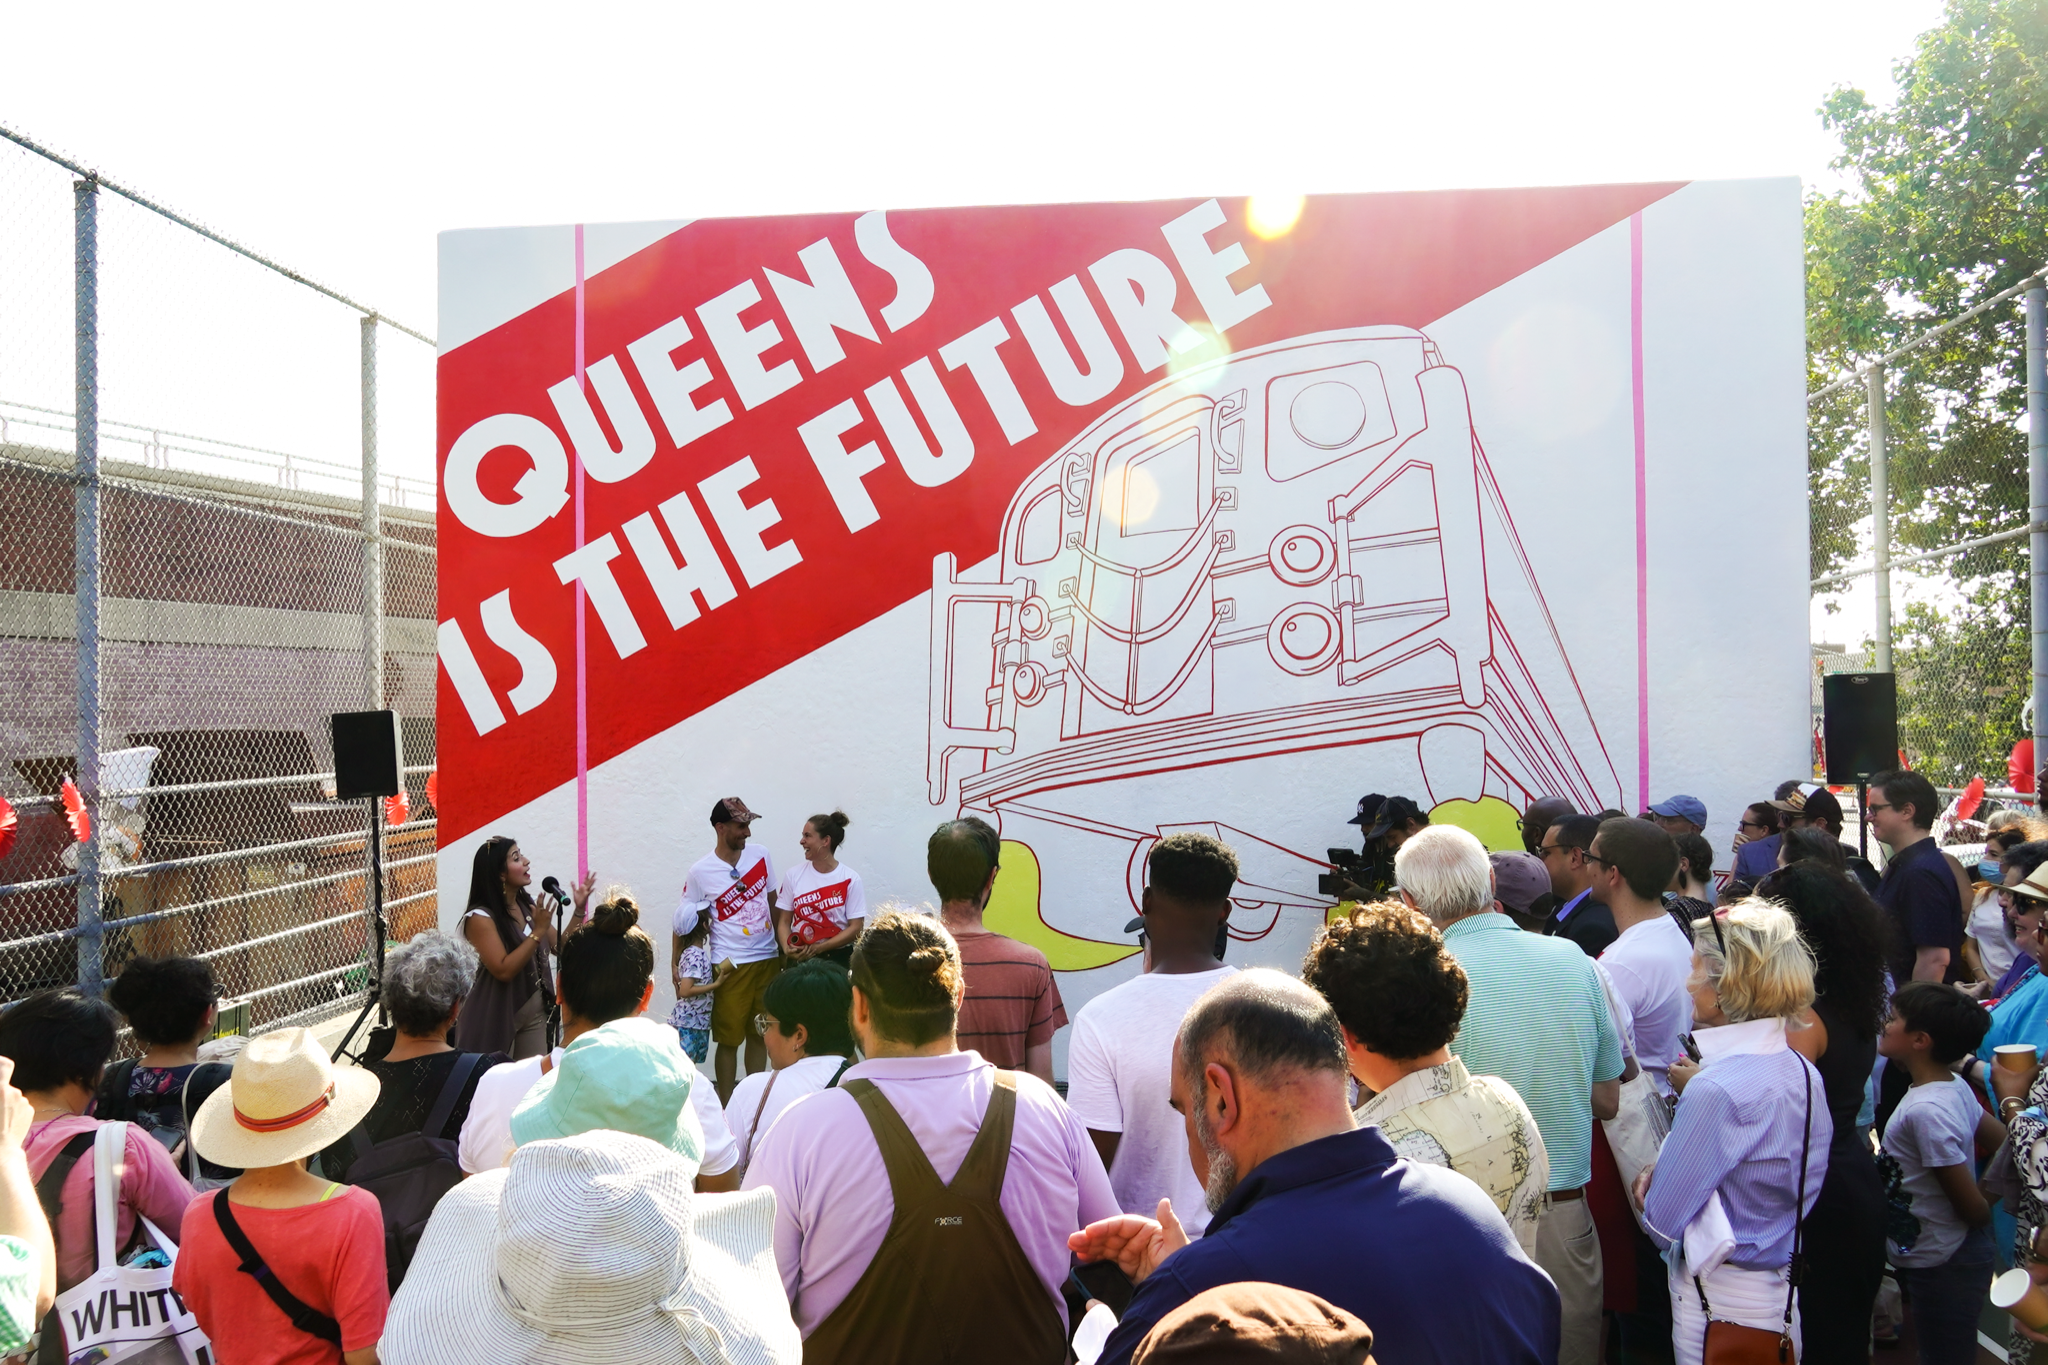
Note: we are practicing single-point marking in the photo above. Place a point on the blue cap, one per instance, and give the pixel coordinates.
(1682, 808)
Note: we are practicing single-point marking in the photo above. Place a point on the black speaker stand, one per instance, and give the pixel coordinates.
(378, 932)
(1863, 821)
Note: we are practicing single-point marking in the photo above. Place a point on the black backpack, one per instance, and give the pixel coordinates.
(167, 1117)
(410, 1172)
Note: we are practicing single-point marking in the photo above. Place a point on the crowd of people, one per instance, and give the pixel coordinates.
(1567, 1104)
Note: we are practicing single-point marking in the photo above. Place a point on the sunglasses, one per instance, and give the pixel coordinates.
(1751, 824)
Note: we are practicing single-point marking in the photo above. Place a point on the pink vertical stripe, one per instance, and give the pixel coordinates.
(1635, 354)
(582, 695)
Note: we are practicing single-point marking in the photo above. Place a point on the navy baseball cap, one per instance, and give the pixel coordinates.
(1396, 810)
(1368, 809)
(1682, 808)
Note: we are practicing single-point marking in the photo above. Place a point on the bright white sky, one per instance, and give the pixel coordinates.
(342, 147)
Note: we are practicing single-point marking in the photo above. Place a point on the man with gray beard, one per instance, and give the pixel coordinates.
(1303, 1198)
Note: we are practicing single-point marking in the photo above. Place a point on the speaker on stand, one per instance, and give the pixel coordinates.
(367, 768)
(1859, 735)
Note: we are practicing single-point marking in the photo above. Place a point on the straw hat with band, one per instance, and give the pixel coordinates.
(284, 1100)
(594, 1248)
(2035, 887)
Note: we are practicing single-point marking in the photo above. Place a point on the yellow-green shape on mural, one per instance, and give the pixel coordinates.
(1013, 910)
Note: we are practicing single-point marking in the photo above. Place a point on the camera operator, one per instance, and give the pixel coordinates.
(1385, 822)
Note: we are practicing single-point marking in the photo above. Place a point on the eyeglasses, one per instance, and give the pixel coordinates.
(1596, 858)
(762, 1023)
(1874, 807)
(1720, 940)
(1545, 850)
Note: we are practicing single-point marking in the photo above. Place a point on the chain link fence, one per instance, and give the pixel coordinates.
(1921, 555)
(193, 578)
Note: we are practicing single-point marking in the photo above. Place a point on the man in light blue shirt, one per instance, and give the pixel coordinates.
(1538, 1019)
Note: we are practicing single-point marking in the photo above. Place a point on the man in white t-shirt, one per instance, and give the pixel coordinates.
(735, 885)
(1120, 1057)
(1631, 862)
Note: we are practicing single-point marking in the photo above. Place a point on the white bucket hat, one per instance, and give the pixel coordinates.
(285, 1100)
(594, 1248)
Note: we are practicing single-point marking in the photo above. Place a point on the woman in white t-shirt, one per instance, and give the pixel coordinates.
(820, 907)
(804, 1021)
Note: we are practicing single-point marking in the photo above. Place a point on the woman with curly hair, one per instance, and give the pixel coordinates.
(1845, 1237)
(1400, 996)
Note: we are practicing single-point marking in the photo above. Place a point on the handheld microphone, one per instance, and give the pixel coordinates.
(554, 888)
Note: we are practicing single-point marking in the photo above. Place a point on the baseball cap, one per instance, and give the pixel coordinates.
(1682, 808)
(1396, 810)
(1518, 879)
(1794, 801)
(1368, 809)
(1256, 1324)
(732, 811)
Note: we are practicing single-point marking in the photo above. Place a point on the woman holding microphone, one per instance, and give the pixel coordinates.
(507, 1009)
(821, 907)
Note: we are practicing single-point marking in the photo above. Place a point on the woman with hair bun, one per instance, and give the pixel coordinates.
(606, 969)
(820, 909)
(986, 1171)
(1749, 1143)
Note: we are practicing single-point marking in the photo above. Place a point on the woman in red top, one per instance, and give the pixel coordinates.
(324, 1300)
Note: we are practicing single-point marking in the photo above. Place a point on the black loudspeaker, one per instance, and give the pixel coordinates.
(1859, 725)
(365, 754)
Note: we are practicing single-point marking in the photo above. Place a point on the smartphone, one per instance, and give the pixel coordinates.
(1104, 1281)
(1692, 1049)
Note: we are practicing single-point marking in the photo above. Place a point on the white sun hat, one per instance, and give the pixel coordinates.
(594, 1248)
(284, 1100)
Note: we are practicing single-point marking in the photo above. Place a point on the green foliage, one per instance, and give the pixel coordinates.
(1949, 205)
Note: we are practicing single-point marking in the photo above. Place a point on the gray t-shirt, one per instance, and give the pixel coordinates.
(1935, 1125)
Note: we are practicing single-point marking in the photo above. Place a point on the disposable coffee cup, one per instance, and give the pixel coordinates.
(2016, 1057)
(2016, 1293)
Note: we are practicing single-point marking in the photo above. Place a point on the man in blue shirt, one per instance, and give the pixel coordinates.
(1304, 1199)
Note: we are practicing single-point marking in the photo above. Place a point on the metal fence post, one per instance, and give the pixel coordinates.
(2037, 486)
(85, 563)
(1880, 523)
(373, 530)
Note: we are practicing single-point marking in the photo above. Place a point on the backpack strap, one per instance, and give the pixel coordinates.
(50, 1185)
(308, 1320)
(451, 1092)
(111, 1100)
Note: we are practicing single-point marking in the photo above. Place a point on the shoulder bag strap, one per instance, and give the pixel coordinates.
(833, 1084)
(185, 1111)
(308, 1320)
(759, 1109)
(1796, 1267)
(451, 1092)
(50, 1185)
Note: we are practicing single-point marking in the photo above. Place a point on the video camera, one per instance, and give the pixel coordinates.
(1341, 883)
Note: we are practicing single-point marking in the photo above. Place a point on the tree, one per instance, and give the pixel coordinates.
(1948, 206)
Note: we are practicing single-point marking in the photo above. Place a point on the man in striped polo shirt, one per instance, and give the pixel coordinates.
(1012, 1006)
(1538, 1019)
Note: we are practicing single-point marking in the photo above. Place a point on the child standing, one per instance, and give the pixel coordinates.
(1939, 1223)
(690, 964)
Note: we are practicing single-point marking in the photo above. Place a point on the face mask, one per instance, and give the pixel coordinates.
(1988, 870)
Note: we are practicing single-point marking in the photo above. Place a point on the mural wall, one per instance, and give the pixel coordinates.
(1102, 521)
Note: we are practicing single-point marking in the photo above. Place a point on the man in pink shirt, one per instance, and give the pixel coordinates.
(837, 1194)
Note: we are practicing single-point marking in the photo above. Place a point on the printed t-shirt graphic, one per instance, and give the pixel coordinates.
(737, 896)
(820, 903)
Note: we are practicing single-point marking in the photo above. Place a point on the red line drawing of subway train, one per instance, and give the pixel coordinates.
(1301, 546)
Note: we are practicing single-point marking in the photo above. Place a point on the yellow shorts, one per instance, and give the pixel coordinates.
(735, 1003)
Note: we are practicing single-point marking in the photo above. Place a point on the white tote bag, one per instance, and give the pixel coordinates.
(123, 1313)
